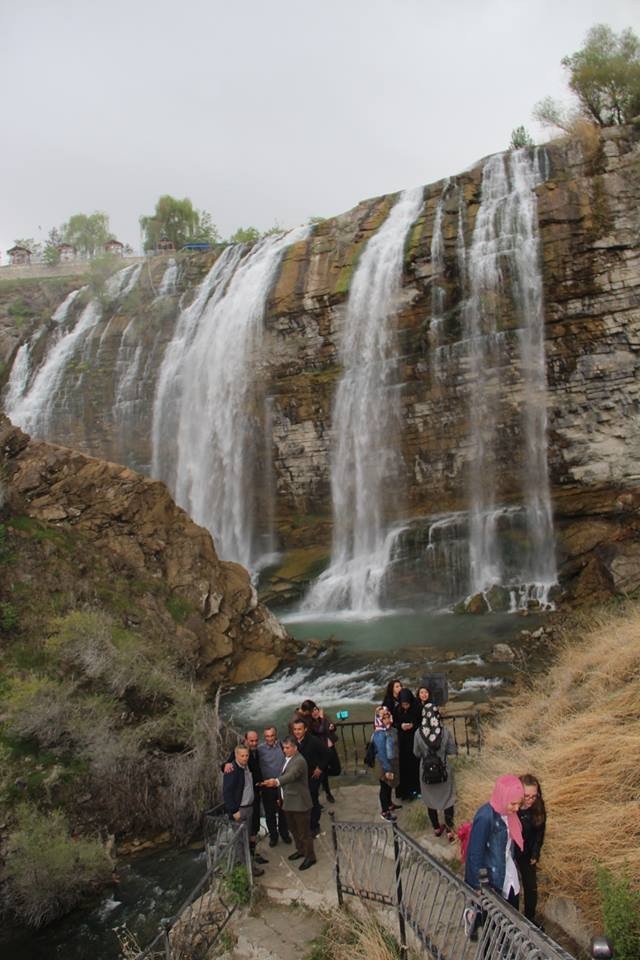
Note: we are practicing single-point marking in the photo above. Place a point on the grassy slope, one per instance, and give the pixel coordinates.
(578, 730)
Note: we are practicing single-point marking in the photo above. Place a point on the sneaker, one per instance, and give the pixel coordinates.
(273, 841)
(439, 830)
(388, 816)
(330, 797)
(395, 806)
(257, 872)
(258, 858)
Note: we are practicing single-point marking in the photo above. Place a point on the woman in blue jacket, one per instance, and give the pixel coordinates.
(496, 832)
(385, 743)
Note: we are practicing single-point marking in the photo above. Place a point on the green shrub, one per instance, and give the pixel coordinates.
(38, 708)
(47, 870)
(8, 617)
(179, 608)
(237, 886)
(621, 912)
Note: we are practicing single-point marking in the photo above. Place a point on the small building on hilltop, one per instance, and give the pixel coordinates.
(67, 252)
(114, 246)
(165, 245)
(19, 256)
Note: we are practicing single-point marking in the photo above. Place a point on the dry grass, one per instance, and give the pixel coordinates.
(578, 731)
(351, 936)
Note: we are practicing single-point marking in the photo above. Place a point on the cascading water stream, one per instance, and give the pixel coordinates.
(540, 571)
(169, 279)
(32, 411)
(505, 244)
(365, 456)
(210, 414)
(438, 292)
(169, 386)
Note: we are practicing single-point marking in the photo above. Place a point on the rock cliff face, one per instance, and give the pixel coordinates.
(130, 528)
(588, 222)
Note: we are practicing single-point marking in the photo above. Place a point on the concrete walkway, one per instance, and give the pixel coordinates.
(286, 918)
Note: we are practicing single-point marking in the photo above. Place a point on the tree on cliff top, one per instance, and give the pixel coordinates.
(605, 77)
(88, 233)
(178, 221)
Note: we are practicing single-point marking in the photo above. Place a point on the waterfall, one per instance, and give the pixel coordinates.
(21, 369)
(32, 410)
(438, 292)
(209, 413)
(504, 250)
(540, 571)
(169, 385)
(18, 379)
(169, 278)
(366, 423)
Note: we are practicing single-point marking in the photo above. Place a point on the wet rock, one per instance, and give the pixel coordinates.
(498, 598)
(502, 653)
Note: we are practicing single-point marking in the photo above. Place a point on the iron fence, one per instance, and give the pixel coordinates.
(354, 735)
(451, 921)
(190, 934)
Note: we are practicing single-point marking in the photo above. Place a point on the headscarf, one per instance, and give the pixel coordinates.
(431, 726)
(507, 789)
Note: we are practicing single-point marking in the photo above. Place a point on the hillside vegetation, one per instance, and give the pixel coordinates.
(578, 730)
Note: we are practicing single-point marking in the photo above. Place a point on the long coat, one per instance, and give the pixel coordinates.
(437, 796)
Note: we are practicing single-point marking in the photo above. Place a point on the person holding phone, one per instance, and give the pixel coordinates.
(385, 743)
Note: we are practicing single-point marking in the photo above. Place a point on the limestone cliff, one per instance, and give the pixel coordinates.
(588, 218)
(133, 552)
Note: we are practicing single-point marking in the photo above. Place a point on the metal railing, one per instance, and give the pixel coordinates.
(354, 735)
(374, 862)
(190, 934)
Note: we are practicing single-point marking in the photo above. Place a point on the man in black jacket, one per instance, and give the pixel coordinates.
(251, 743)
(238, 790)
(317, 757)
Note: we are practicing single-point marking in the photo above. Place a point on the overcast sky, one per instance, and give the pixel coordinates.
(264, 111)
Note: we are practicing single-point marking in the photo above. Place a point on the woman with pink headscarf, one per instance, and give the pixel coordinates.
(495, 832)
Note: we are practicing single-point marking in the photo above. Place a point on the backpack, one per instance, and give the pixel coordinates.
(370, 754)
(434, 770)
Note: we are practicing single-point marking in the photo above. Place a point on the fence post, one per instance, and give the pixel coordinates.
(334, 838)
(244, 827)
(396, 862)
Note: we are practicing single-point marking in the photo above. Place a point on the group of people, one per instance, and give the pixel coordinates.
(411, 748)
(411, 745)
(283, 778)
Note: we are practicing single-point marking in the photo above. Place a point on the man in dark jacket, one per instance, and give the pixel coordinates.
(237, 790)
(251, 742)
(317, 757)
